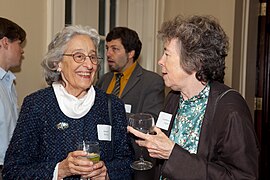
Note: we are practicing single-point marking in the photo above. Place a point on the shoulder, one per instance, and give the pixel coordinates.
(117, 105)
(42, 92)
(228, 101)
(40, 96)
(39, 102)
(101, 95)
(153, 76)
(219, 91)
(217, 87)
(106, 75)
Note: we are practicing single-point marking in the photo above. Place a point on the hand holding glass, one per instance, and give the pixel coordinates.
(142, 122)
(92, 149)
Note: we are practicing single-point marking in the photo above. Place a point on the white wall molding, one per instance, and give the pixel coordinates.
(55, 17)
(243, 59)
(145, 18)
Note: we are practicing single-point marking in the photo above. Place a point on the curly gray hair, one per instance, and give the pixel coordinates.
(203, 45)
(57, 48)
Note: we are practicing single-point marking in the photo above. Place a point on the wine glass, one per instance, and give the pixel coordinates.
(142, 122)
(92, 149)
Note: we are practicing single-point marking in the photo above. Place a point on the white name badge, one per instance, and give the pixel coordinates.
(164, 120)
(104, 132)
(128, 108)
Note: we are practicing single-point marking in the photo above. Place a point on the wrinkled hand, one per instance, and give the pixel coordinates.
(75, 164)
(158, 145)
(99, 172)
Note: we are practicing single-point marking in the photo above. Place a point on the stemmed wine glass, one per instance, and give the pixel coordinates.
(142, 122)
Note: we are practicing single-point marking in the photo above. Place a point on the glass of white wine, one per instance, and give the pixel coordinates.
(92, 149)
(142, 122)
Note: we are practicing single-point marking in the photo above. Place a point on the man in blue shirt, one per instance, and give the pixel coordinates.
(11, 39)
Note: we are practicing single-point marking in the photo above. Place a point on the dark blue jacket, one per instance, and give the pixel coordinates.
(38, 145)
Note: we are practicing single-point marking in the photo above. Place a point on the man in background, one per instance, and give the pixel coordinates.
(140, 89)
(11, 39)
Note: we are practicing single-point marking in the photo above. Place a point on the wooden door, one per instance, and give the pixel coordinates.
(261, 115)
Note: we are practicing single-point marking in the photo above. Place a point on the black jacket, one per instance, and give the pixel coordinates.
(228, 147)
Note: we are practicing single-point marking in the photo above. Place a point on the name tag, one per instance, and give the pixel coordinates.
(164, 120)
(128, 108)
(104, 132)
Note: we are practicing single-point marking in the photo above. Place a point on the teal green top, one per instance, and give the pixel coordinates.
(188, 120)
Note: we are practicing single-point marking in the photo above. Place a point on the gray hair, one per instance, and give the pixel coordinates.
(57, 48)
(203, 45)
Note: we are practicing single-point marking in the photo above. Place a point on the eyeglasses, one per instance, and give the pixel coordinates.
(80, 58)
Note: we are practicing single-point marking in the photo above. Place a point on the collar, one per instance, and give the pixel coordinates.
(4, 74)
(70, 105)
(203, 94)
(127, 73)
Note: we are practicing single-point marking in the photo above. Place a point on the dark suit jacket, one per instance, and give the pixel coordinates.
(228, 147)
(145, 93)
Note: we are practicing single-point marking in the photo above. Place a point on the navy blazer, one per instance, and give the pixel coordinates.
(38, 143)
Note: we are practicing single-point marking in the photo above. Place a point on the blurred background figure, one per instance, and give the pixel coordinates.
(140, 89)
(71, 110)
(11, 50)
(210, 133)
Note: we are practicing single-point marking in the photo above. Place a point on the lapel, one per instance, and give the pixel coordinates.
(207, 129)
(206, 132)
(107, 81)
(133, 80)
(171, 106)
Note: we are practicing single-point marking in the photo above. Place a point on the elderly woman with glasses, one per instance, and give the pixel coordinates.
(54, 120)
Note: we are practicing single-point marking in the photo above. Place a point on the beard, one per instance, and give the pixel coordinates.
(114, 68)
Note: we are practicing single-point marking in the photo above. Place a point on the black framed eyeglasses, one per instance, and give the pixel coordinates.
(80, 58)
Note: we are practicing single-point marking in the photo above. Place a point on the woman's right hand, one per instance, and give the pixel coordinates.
(158, 145)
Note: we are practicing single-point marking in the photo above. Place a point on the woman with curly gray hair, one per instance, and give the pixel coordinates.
(54, 120)
(207, 130)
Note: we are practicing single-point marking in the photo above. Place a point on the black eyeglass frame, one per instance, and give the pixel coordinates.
(83, 58)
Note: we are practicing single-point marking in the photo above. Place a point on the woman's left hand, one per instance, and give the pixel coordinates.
(99, 172)
(74, 164)
(158, 145)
